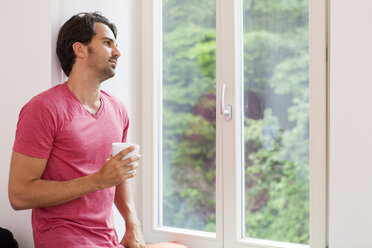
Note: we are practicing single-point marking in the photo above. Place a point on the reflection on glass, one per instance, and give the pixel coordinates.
(189, 115)
(276, 119)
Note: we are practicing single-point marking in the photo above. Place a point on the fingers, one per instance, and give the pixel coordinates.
(124, 152)
(114, 170)
(131, 169)
(130, 160)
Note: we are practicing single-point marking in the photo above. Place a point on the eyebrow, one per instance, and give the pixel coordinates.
(113, 41)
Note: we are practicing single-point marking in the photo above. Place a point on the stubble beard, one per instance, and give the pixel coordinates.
(101, 66)
(108, 72)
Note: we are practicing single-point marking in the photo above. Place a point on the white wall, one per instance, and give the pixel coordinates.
(25, 71)
(350, 124)
(29, 66)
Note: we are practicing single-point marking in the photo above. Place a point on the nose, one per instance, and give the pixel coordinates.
(115, 52)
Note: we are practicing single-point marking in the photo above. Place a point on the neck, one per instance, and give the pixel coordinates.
(86, 90)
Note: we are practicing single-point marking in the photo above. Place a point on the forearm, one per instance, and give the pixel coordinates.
(27, 190)
(124, 201)
(40, 193)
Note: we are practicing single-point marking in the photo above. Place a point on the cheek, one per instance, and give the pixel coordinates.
(108, 50)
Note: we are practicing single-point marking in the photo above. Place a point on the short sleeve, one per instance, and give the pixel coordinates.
(36, 128)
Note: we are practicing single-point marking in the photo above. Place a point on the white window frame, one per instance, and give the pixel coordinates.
(228, 208)
(151, 165)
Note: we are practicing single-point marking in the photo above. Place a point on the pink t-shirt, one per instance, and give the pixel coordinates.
(54, 125)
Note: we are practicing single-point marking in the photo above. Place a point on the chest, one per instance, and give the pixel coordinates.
(84, 138)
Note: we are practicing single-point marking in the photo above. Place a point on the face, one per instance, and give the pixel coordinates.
(103, 52)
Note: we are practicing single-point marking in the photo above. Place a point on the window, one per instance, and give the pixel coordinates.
(259, 179)
(276, 120)
(188, 124)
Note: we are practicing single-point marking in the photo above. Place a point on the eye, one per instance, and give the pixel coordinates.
(107, 42)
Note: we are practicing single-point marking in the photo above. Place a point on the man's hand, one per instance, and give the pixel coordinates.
(133, 237)
(115, 171)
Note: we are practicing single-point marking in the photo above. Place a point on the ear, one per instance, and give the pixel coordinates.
(80, 50)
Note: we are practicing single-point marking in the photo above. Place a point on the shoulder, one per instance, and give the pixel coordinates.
(44, 104)
(113, 101)
(115, 105)
(42, 101)
(49, 96)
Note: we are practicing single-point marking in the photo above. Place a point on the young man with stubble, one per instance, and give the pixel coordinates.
(61, 165)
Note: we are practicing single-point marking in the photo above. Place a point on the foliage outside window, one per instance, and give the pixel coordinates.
(276, 117)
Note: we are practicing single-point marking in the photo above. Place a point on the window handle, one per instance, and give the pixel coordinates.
(225, 110)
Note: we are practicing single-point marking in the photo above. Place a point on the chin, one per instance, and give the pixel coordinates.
(109, 74)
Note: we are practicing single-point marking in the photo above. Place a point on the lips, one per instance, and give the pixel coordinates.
(113, 61)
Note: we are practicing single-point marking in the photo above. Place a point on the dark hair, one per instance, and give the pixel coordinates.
(7, 239)
(80, 28)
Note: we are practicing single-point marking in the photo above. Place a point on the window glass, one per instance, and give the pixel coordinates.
(276, 120)
(189, 115)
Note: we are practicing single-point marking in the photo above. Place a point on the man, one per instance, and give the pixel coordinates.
(61, 165)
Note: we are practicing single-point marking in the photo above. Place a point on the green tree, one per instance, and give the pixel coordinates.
(277, 158)
(189, 55)
(276, 144)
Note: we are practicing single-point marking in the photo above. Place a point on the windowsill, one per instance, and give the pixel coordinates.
(181, 231)
(269, 243)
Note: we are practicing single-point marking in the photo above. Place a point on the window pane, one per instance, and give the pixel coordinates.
(189, 114)
(276, 120)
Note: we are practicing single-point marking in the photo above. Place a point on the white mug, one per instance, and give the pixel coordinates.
(118, 147)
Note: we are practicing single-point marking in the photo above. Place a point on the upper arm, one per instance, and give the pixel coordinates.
(23, 170)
